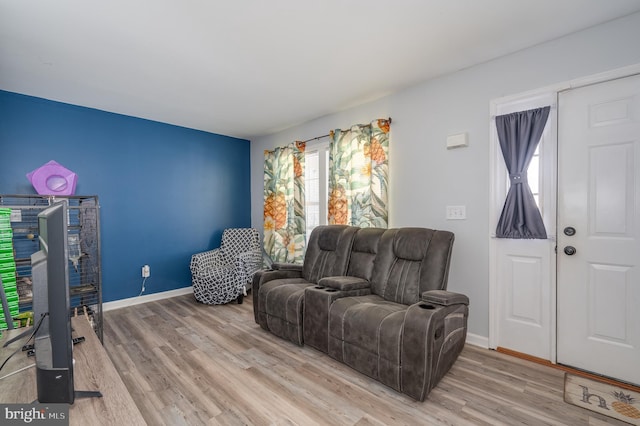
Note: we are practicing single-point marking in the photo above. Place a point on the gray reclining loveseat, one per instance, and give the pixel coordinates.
(374, 299)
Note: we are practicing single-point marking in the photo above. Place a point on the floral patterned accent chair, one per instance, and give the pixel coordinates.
(222, 275)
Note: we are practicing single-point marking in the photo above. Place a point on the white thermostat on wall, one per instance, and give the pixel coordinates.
(457, 141)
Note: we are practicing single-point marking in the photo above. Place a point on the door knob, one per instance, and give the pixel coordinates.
(569, 231)
(569, 250)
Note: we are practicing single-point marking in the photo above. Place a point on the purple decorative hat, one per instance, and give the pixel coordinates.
(53, 179)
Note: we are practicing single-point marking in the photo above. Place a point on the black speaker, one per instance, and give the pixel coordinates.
(55, 385)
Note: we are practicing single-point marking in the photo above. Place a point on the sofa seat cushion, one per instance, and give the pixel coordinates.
(366, 334)
(281, 307)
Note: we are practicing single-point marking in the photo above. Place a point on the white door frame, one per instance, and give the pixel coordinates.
(498, 190)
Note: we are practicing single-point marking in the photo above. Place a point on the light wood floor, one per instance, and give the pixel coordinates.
(188, 364)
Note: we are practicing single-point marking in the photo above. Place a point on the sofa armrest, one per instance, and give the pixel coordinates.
(433, 336)
(265, 275)
(286, 267)
(344, 283)
(444, 298)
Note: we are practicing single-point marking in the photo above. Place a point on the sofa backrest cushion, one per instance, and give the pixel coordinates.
(328, 252)
(363, 252)
(411, 261)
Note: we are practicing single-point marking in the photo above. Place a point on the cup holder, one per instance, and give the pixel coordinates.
(331, 290)
(319, 287)
(426, 306)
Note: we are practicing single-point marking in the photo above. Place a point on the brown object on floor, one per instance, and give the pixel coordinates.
(603, 398)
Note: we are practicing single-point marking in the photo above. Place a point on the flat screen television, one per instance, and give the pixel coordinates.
(50, 276)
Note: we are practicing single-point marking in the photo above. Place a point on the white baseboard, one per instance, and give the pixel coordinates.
(123, 303)
(477, 340)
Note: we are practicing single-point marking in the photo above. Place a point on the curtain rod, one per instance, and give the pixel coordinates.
(329, 134)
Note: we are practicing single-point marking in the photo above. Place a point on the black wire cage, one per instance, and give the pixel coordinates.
(85, 283)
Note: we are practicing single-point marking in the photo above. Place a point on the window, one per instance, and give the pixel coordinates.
(533, 176)
(316, 182)
(541, 174)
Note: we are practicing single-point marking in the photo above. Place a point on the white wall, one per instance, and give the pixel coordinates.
(425, 176)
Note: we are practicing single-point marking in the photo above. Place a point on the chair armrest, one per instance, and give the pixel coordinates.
(444, 298)
(344, 283)
(249, 261)
(286, 267)
(205, 260)
(247, 264)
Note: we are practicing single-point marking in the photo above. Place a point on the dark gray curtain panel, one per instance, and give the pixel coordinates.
(519, 134)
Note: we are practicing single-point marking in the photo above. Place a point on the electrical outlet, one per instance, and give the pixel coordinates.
(146, 271)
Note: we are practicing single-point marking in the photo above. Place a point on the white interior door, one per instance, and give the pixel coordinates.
(598, 286)
(522, 273)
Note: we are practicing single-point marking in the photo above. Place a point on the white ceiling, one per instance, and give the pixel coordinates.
(246, 68)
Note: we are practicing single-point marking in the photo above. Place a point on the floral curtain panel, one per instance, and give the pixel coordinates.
(284, 219)
(359, 175)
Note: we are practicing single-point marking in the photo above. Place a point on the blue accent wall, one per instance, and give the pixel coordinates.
(165, 191)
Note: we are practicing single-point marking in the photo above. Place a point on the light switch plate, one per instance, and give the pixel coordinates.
(456, 212)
